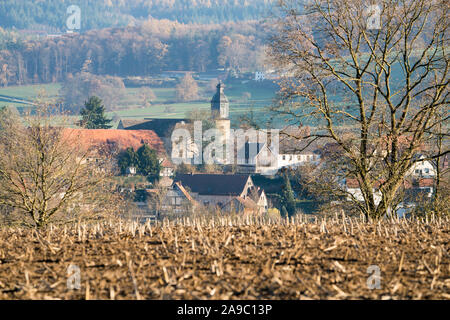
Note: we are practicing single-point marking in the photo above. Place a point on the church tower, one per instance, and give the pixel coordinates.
(220, 108)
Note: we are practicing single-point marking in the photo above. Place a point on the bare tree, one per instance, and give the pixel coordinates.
(373, 76)
(147, 96)
(45, 174)
(187, 89)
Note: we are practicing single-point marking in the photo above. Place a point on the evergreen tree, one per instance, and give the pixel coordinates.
(93, 115)
(127, 159)
(148, 162)
(288, 199)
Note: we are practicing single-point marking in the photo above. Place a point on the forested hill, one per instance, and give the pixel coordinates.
(50, 15)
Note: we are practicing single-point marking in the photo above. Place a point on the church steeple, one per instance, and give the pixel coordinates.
(219, 104)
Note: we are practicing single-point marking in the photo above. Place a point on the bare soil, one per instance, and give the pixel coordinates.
(228, 260)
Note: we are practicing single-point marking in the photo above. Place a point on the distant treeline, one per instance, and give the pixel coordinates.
(152, 47)
(96, 14)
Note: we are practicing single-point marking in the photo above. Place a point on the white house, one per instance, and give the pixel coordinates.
(267, 161)
(422, 168)
(351, 186)
(291, 159)
(167, 168)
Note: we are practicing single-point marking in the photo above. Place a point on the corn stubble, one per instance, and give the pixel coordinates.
(247, 258)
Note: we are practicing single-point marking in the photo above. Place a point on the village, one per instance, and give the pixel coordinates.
(247, 178)
(224, 158)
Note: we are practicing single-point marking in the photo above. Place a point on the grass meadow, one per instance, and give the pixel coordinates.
(131, 105)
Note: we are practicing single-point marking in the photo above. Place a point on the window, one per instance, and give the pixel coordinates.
(284, 157)
(427, 170)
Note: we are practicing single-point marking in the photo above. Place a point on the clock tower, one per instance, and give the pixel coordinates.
(220, 108)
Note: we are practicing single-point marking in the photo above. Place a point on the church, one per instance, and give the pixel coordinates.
(180, 150)
(220, 112)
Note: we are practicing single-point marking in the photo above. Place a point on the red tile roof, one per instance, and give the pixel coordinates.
(426, 182)
(94, 138)
(167, 163)
(352, 183)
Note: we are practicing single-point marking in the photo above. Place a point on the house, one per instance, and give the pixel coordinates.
(215, 189)
(351, 186)
(102, 144)
(422, 167)
(112, 140)
(218, 190)
(240, 205)
(257, 158)
(254, 203)
(167, 167)
(162, 127)
(267, 158)
(417, 192)
(268, 161)
(288, 158)
(178, 200)
(258, 195)
(426, 186)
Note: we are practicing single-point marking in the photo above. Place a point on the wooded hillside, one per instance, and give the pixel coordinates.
(152, 47)
(51, 14)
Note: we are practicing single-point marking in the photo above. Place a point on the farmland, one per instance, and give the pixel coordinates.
(131, 106)
(229, 258)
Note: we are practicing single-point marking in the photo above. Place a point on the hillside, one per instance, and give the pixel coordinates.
(50, 15)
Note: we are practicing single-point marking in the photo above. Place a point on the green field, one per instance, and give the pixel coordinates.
(164, 106)
(31, 91)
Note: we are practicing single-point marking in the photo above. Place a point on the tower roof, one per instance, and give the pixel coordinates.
(219, 103)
